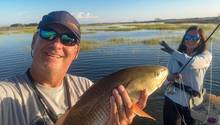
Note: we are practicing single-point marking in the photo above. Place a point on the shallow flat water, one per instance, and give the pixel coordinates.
(15, 58)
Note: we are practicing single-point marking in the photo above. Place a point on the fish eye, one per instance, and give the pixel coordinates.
(157, 74)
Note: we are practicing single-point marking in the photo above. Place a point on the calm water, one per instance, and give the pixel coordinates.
(15, 58)
(140, 34)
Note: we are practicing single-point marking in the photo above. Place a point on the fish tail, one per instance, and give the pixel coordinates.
(138, 111)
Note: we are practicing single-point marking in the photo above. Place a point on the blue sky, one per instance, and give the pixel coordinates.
(91, 11)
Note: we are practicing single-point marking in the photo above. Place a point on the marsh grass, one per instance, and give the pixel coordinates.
(18, 30)
(93, 28)
(148, 26)
(29, 29)
(90, 45)
(87, 45)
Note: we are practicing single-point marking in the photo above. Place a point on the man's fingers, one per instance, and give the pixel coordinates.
(143, 99)
(120, 104)
(127, 103)
(114, 118)
(113, 106)
(125, 96)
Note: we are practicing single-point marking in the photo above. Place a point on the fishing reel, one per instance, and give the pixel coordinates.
(170, 89)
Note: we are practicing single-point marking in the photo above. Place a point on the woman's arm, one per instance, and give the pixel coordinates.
(202, 60)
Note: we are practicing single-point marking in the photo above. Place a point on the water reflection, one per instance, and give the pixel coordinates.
(94, 64)
(140, 34)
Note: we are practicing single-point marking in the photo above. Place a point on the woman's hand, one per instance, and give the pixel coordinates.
(166, 47)
(121, 112)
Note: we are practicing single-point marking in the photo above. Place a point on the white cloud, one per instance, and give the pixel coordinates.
(85, 15)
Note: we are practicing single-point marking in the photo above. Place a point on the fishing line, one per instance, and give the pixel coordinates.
(189, 62)
(210, 87)
(158, 55)
(211, 81)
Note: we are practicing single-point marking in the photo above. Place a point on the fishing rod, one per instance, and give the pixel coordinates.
(182, 119)
(195, 54)
(189, 89)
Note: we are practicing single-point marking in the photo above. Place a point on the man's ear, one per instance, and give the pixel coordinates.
(77, 52)
(34, 40)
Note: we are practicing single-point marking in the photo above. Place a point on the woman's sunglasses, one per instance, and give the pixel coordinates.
(50, 35)
(193, 38)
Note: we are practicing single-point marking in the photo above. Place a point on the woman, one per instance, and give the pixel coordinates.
(188, 83)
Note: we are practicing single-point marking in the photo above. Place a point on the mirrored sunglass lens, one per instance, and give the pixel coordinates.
(196, 38)
(67, 40)
(48, 35)
(187, 38)
(192, 38)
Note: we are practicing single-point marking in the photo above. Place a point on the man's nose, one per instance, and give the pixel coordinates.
(57, 43)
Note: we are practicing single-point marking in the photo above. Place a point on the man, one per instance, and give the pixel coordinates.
(46, 91)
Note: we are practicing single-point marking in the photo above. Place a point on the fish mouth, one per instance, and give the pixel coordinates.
(164, 79)
(165, 74)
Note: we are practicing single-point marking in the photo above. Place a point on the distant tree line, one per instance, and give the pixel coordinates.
(23, 25)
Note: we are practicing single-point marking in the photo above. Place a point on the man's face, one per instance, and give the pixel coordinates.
(53, 55)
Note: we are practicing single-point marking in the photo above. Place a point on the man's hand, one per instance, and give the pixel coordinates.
(121, 112)
(166, 48)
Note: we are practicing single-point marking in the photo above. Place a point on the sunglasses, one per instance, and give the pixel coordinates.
(50, 35)
(193, 38)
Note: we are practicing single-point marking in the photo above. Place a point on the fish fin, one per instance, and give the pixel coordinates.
(140, 112)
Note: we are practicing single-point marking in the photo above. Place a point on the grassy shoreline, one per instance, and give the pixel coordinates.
(86, 45)
(88, 29)
(17, 30)
(149, 26)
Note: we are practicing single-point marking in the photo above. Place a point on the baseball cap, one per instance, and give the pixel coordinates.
(63, 18)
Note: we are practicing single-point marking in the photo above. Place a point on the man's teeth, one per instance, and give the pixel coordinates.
(57, 56)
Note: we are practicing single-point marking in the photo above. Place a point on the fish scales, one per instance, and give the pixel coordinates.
(94, 105)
